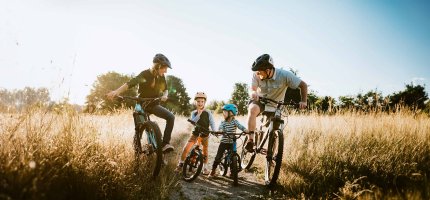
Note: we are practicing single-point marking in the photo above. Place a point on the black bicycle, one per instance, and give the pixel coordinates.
(271, 129)
(147, 140)
(231, 158)
(193, 163)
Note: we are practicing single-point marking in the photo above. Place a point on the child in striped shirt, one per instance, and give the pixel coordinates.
(229, 126)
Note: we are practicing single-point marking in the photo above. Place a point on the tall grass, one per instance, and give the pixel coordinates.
(357, 156)
(65, 155)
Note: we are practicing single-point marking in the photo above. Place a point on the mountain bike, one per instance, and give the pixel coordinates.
(270, 131)
(147, 140)
(231, 158)
(193, 163)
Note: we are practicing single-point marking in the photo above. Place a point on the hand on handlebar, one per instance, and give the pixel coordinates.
(112, 94)
(254, 96)
(302, 105)
(218, 132)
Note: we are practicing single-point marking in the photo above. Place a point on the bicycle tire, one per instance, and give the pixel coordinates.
(155, 154)
(223, 166)
(235, 168)
(192, 166)
(247, 157)
(273, 164)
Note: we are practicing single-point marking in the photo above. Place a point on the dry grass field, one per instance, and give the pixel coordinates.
(350, 156)
(66, 155)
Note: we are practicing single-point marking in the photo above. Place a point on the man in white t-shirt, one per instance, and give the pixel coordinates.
(271, 83)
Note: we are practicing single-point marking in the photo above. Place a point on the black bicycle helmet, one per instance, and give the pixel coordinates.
(162, 59)
(262, 63)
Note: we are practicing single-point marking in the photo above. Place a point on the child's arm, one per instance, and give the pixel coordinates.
(194, 116)
(211, 121)
(241, 127)
(221, 127)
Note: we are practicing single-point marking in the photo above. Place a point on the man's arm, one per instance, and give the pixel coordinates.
(253, 93)
(304, 94)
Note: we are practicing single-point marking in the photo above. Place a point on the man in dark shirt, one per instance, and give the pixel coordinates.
(152, 84)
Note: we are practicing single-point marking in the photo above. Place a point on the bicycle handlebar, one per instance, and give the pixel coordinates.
(138, 99)
(215, 132)
(283, 103)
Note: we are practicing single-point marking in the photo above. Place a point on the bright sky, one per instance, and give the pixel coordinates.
(338, 47)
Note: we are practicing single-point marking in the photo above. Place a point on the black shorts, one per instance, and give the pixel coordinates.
(262, 106)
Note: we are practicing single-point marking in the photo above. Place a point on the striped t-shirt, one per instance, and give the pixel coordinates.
(229, 128)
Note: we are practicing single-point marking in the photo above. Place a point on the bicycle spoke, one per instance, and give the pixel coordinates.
(273, 161)
(147, 150)
(192, 166)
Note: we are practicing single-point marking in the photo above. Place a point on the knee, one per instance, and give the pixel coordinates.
(171, 117)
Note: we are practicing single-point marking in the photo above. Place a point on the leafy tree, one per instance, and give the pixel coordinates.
(413, 96)
(179, 101)
(218, 109)
(292, 95)
(346, 102)
(312, 99)
(427, 108)
(240, 97)
(20, 99)
(213, 105)
(30, 96)
(6, 100)
(97, 99)
(325, 104)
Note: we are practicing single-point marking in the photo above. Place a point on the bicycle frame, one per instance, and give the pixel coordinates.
(143, 117)
(233, 149)
(275, 123)
(148, 148)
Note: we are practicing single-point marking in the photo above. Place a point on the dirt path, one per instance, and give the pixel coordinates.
(221, 188)
(250, 187)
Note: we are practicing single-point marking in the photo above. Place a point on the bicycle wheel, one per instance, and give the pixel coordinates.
(247, 157)
(147, 145)
(235, 168)
(273, 162)
(193, 165)
(223, 166)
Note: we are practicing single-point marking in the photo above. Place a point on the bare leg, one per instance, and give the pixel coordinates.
(253, 111)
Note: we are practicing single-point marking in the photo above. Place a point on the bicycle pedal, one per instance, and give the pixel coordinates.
(148, 152)
(263, 151)
(148, 149)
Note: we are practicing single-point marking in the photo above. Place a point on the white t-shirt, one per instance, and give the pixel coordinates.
(275, 87)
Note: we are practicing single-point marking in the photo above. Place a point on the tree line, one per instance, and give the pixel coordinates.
(412, 97)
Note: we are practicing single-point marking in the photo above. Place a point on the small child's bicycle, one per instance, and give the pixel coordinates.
(231, 158)
(147, 140)
(194, 161)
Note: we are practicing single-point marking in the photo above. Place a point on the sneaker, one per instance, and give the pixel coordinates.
(205, 171)
(179, 167)
(213, 173)
(250, 146)
(167, 148)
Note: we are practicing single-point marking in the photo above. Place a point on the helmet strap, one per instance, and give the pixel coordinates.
(270, 74)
